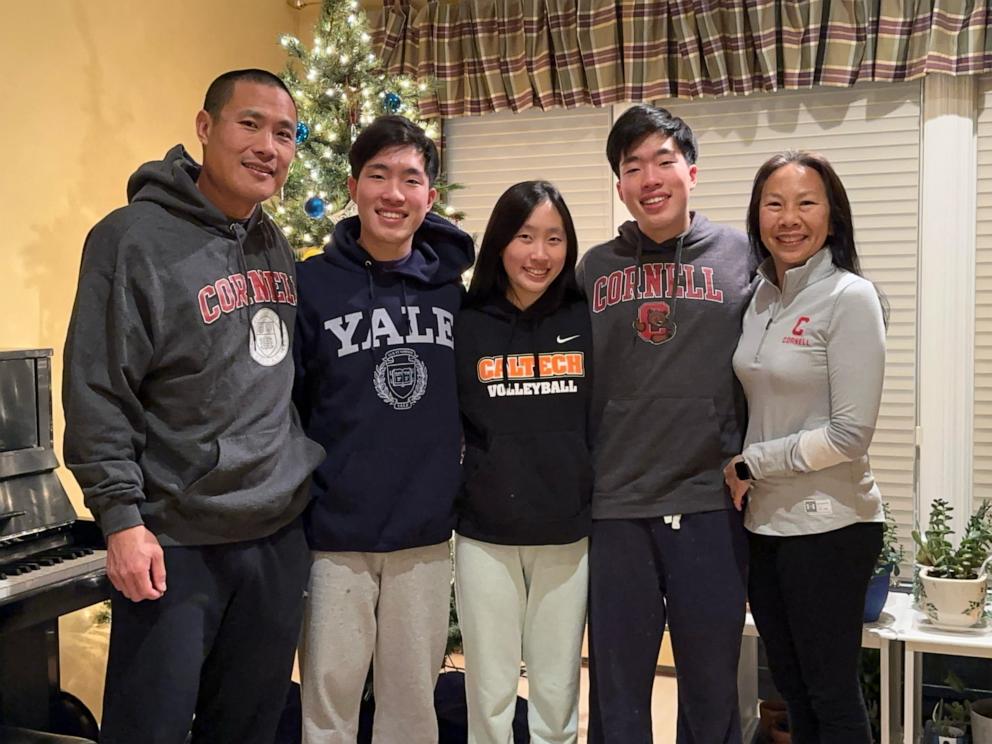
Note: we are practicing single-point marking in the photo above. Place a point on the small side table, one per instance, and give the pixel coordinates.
(920, 638)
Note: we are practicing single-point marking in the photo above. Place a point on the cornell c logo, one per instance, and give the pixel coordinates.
(400, 378)
(653, 323)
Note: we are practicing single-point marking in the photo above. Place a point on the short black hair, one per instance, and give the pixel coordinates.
(222, 88)
(512, 209)
(639, 122)
(393, 131)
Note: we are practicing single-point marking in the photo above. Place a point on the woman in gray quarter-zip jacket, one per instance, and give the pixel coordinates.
(811, 359)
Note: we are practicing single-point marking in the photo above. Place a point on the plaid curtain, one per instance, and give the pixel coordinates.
(494, 55)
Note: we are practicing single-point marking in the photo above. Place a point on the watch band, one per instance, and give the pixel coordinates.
(742, 470)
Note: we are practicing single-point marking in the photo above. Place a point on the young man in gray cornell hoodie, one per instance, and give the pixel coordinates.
(180, 429)
(666, 298)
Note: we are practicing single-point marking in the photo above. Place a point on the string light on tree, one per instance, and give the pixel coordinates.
(340, 87)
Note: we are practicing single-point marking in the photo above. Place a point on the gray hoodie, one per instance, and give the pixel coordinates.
(177, 368)
(668, 414)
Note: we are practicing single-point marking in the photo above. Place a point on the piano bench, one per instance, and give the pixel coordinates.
(9, 735)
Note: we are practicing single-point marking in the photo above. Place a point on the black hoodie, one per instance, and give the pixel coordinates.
(375, 385)
(524, 385)
(177, 372)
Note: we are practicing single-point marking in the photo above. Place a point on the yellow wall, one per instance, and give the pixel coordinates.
(91, 89)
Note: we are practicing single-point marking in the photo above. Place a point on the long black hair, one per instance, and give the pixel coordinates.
(841, 233)
(512, 209)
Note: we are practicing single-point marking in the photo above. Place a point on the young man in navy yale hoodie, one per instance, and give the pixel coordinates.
(375, 384)
(186, 301)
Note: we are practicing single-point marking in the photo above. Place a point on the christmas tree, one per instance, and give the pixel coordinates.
(339, 86)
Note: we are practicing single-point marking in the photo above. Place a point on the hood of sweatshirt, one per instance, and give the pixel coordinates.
(171, 183)
(439, 254)
(700, 232)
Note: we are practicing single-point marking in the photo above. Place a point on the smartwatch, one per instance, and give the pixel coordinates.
(742, 470)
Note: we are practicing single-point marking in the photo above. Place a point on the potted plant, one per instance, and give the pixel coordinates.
(953, 580)
(886, 569)
(949, 722)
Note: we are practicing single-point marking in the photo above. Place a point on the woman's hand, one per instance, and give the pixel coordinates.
(738, 488)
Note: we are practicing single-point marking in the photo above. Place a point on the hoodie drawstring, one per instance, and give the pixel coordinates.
(267, 237)
(506, 348)
(369, 268)
(405, 309)
(238, 230)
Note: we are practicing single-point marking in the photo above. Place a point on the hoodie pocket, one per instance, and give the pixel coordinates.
(388, 495)
(540, 476)
(651, 446)
(243, 463)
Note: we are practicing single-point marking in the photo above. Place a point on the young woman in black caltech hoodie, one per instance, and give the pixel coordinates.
(523, 350)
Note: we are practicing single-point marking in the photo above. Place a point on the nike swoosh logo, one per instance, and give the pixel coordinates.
(567, 339)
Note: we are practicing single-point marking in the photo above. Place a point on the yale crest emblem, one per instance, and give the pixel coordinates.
(400, 378)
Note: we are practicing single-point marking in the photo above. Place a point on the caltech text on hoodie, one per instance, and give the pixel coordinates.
(177, 369)
(667, 414)
(375, 385)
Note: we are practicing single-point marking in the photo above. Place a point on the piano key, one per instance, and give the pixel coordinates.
(22, 582)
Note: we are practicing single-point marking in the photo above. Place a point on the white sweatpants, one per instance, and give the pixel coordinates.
(524, 603)
(388, 608)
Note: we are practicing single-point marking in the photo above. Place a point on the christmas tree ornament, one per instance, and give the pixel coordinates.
(393, 102)
(315, 207)
(302, 132)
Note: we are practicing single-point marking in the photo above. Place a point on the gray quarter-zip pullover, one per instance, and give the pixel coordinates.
(811, 359)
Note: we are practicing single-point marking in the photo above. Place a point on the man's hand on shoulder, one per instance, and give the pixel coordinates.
(136, 563)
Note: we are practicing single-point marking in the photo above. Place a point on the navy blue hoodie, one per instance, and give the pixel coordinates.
(375, 385)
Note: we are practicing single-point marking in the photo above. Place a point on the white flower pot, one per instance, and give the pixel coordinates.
(952, 603)
(981, 721)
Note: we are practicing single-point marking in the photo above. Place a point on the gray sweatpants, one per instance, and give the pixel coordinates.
(522, 602)
(388, 608)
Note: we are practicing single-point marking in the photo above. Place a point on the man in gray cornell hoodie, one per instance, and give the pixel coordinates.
(666, 298)
(180, 430)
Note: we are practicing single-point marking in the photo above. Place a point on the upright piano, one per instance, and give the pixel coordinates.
(51, 562)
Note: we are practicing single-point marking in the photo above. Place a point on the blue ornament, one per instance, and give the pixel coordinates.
(393, 102)
(315, 207)
(302, 132)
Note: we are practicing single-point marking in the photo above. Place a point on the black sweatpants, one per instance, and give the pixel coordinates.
(219, 643)
(807, 597)
(642, 573)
